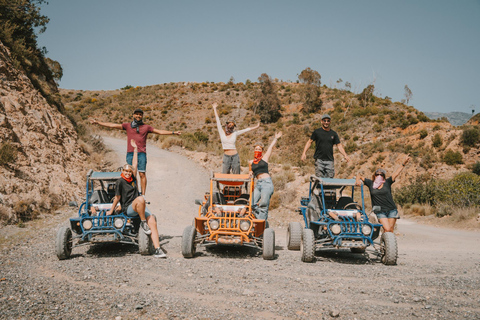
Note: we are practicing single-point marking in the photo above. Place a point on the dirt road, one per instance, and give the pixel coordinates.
(437, 276)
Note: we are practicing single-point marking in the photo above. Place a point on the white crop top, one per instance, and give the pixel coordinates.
(228, 142)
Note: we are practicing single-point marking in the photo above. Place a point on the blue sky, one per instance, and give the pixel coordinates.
(433, 46)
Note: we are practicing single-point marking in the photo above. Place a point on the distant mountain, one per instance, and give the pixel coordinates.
(455, 118)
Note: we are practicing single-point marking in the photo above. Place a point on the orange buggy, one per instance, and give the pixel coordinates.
(225, 217)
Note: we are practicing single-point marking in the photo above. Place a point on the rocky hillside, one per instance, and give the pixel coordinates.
(41, 165)
(374, 135)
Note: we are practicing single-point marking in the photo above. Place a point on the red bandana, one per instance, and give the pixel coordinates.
(257, 155)
(128, 180)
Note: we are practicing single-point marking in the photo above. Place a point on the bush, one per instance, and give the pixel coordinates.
(470, 137)
(460, 191)
(423, 134)
(437, 141)
(476, 168)
(8, 153)
(452, 157)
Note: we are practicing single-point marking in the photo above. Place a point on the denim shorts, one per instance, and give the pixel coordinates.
(142, 160)
(389, 214)
(133, 213)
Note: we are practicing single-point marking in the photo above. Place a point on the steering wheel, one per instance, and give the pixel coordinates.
(353, 205)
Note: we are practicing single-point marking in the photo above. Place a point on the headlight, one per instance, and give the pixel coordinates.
(244, 225)
(336, 229)
(118, 223)
(214, 224)
(87, 224)
(366, 230)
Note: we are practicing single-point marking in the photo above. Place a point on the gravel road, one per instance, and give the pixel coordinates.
(437, 276)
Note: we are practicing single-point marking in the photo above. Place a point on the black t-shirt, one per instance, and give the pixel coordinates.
(260, 167)
(382, 197)
(324, 142)
(127, 192)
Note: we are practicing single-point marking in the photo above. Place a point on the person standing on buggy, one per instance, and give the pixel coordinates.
(228, 137)
(137, 131)
(132, 204)
(325, 138)
(381, 194)
(264, 186)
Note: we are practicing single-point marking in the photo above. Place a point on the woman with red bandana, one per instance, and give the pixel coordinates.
(132, 204)
(381, 194)
(264, 185)
(228, 137)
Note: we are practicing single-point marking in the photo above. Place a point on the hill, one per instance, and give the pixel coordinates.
(375, 135)
(455, 118)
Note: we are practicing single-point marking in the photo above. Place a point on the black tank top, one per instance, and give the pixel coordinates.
(260, 167)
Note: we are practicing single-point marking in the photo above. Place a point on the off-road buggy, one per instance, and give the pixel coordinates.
(93, 225)
(335, 220)
(226, 217)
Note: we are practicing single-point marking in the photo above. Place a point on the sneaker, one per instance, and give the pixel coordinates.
(145, 227)
(159, 253)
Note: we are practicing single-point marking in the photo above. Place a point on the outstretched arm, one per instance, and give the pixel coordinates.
(342, 151)
(219, 125)
(107, 124)
(164, 132)
(270, 147)
(307, 146)
(399, 169)
(116, 200)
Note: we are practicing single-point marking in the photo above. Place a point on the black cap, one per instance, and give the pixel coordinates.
(138, 111)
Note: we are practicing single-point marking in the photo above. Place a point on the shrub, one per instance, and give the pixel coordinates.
(423, 134)
(8, 153)
(476, 168)
(350, 147)
(470, 137)
(437, 141)
(452, 157)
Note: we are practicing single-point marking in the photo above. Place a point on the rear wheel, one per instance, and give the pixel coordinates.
(268, 244)
(294, 236)
(63, 243)
(308, 245)
(188, 242)
(389, 249)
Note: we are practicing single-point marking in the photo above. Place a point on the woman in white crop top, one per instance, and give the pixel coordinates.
(231, 160)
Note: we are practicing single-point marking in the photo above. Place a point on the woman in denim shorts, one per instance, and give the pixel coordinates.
(263, 186)
(381, 194)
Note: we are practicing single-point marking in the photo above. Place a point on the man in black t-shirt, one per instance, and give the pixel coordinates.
(325, 138)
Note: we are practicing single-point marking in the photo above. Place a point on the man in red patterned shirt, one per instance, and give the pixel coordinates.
(138, 131)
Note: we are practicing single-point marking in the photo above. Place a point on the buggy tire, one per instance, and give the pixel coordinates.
(389, 248)
(268, 244)
(188, 242)
(294, 236)
(145, 243)
(308, 245)
(358, 250)
(63, 243)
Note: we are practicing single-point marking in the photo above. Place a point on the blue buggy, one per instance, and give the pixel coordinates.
(335, 219)
(93, 225)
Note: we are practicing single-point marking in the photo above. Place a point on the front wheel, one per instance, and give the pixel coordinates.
(389, 249)
(308, 245)
(63, 243)
(268, 244)
(145, 243)
(294, 236)
(188, 242)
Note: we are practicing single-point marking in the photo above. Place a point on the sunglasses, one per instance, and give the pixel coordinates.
(325, 120)
(379, 174)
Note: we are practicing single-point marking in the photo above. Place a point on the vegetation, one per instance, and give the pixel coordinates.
(459, 192)
(310, 90)
(19, 22)
(8, 153)
(268, 105)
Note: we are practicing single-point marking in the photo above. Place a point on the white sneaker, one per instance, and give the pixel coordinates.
(159, 253)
